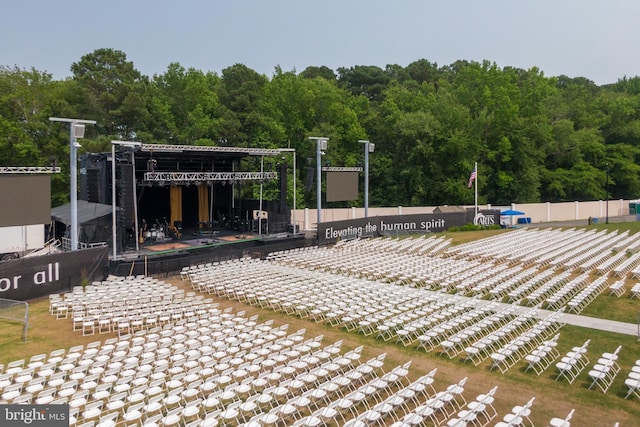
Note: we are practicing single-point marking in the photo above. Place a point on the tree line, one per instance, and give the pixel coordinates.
(535, 138)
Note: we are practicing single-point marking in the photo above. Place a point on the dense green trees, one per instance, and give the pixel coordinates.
(535, 138)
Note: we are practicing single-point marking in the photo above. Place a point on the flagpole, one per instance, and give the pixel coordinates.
(476, 189)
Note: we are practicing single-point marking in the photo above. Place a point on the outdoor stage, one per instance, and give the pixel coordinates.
(168, 256)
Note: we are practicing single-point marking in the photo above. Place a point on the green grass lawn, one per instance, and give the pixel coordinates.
(554, 398)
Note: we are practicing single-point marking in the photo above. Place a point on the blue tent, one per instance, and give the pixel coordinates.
(511, 212)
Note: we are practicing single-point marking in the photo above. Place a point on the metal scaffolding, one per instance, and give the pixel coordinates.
(28, 169)
(178, 178)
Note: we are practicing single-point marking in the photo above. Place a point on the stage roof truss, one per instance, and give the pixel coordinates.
(341, 169)
(28, 169)
(179, 178)
(167, 148)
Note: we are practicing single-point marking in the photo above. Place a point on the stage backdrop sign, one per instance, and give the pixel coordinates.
(27, 278)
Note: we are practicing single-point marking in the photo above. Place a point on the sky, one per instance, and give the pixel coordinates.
(596, 39)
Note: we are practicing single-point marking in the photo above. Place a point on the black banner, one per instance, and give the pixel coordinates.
(331, 232)
(28, 278)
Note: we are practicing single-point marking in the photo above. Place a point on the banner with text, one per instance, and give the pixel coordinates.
(27, 278)
(331, 232)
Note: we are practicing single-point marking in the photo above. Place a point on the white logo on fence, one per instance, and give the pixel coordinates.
(481, 219)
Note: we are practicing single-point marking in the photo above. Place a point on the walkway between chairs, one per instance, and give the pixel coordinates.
(587, 322)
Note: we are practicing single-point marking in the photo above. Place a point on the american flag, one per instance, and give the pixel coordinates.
(472, 177)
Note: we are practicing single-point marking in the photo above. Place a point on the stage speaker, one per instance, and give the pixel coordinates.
(282, 206)
(308, 182)
(127, 201)
(92, 186)
(78, 130)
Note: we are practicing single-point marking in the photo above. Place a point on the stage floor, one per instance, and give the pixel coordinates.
(191, 240)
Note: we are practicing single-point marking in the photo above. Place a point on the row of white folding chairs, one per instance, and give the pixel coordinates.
(184, 400)
(560, 297)
(502, 289)
(437, 404)
(547, 287)
(605, 370)
(420, 244)
(545, 250)
(633, 381)
(612, 262)
(129, 318)
(617, 288)
(513, 351)
(373, 265)
(186, 271)
(631, 263)
(478, 412)
(448, 320)
(530, 285)
(445, 311)
(46, 366)
(387, 322)
(518, 415)
(596, 260)
(594, 252)
(543, 355)
(476, 271)
(575, 360)
(356, 293)
(570, 241)
(485, 319)
(503, 277)
(497, 246)
(587, 295)
(480, 349)
(330, 399)
(177, 378)
(532, 246)
(584, 248)
(478, 274)
(440, 324)
(635, 291)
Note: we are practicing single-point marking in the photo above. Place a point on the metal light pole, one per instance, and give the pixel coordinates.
(607, 191)
(76, 131)
(113, 193)
(368, 148)
(321, 144)
(260, 214)
(293, 150)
